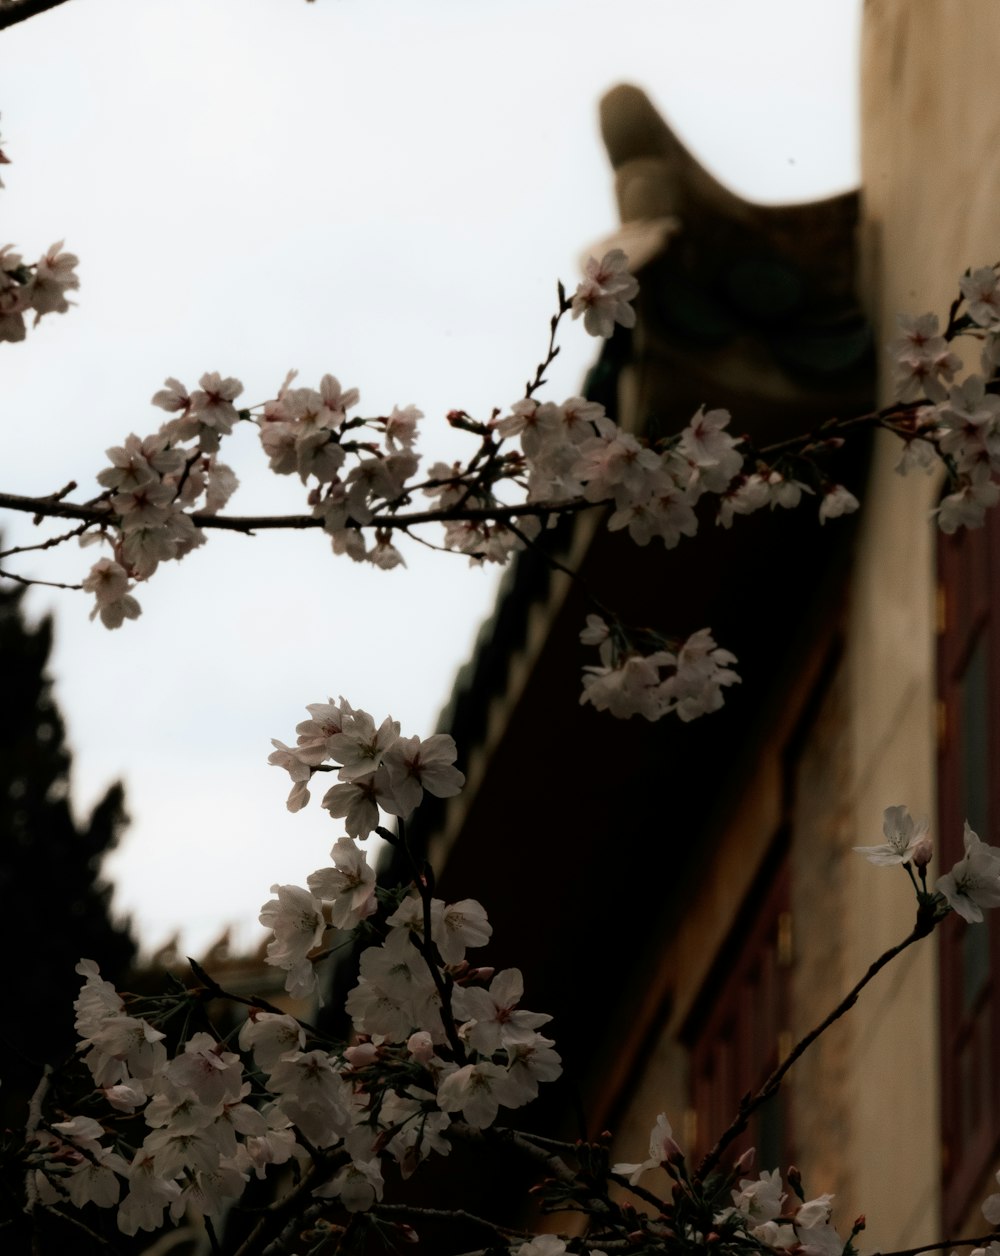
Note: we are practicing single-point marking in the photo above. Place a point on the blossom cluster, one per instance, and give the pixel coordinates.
(960, 424)
(40, 287)
(360, 474)
(687, 681)
(209, 1118)
(439, 1045)
(152, 484)
(972, 884)
(377, 767)
(757, 1213)
(436, 1041)
(759, 1217)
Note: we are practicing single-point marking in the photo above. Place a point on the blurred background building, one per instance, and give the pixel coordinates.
(685, 899)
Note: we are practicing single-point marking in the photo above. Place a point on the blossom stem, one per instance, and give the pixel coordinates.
(423, 878)
(277, 1213)
(44, 545)
(640, 1192)
(553, 349)
(554, 1165)
(557, 565)
(212, 1237)
(212, 990)
(49, 584)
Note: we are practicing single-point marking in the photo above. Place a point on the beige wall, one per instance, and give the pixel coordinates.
(866, 1110)
(931, 208)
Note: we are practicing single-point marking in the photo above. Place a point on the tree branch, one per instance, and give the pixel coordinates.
(48, 507)
(415, 1212)
(922, 928)
(14, 11)
(50, 584)
(943, 1247)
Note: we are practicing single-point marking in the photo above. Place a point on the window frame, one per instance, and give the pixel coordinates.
(968, 564)
(732, 1050)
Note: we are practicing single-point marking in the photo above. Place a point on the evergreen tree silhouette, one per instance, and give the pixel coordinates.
(54, 906)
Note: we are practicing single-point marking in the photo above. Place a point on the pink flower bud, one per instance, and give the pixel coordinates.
(923, 851)
(362, 1054)
(745, 1162)
(421, 1046)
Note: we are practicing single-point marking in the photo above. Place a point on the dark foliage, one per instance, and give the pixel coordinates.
(55, 906)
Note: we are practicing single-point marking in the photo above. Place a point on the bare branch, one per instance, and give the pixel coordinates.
(944, 1246)
(49, 584)
(44, 545)
(14, 11)
(924, 926)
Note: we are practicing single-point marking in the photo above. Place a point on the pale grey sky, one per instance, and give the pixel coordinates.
(384, 190)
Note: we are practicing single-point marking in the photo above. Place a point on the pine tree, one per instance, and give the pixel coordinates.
(54, 906)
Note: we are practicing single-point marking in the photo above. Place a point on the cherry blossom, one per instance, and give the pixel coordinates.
(494, 1018)
(661, 1148)
(974, 882)
(902, 835)
(349, 886)
(981, 291)
(296, 918)
(604, 295)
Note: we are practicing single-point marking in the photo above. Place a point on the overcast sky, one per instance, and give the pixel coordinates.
(386, 190)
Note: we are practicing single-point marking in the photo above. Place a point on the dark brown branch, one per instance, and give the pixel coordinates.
(640, 1192)
(943, 1247)
(14, 11)
(277, 1214)
(499, 1135)
(49, 584)
(210, 989)
(407, 1212)
(44, 545)
(925, 923)
(898, 412)
(50, 508)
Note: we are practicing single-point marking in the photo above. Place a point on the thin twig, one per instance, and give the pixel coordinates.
(44, 545)
(74, 1221)
(423, 879)
(944, 1246)
(212, 1238)
(212, 989)
(532, 387)
(251, 1244)
(49, 584)
(639, 1191)
(555, 1165)
(409, 1212)
(557, 565)
(925, 922)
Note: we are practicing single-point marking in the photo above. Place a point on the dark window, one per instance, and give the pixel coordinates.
(969, 743)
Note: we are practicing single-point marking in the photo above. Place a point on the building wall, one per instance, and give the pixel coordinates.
(931, 208)
(865, 1106)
